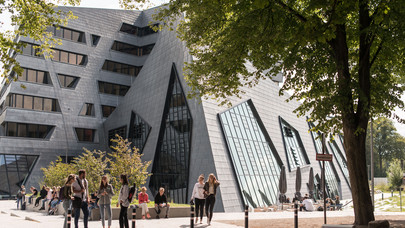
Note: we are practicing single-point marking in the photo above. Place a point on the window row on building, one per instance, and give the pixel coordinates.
(112, 89)
(30, 49)
(39, 131)
(121, 68)
(35, 76)
(32, 102)
(137, 31)
(68, 57)
(132, 49)
(68, 34)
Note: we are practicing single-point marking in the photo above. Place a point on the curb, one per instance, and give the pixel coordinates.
(12, 214)
(31, 219)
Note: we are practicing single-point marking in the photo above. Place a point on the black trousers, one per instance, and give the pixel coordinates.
(37, 201)
(124, 217)
(199, 207)
(209, 206)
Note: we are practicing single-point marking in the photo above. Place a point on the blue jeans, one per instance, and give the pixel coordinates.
(85, 209)
(91, 207)
(19, 201)
(43, 202)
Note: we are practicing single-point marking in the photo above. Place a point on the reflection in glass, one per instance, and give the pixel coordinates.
(139, 131)
(341, 160)
(295, 151)
(332, 180)
(171, 164)
(254, 157)
(14, 170)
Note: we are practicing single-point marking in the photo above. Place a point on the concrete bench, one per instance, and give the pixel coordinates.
(337, 226)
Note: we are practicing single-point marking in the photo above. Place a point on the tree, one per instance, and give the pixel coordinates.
(57, 172)
(95, 163)
(395, 175)
(125, 160)
(32, 17)
(387, 144)
(342, 59)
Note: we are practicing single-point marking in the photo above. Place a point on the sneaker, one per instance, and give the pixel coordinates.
(143, 216)
(196, 220)
(209, 223)
(41, 208)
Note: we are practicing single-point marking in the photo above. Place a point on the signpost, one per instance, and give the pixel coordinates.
(324, 157)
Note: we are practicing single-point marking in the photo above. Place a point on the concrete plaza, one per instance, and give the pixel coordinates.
(21, 218)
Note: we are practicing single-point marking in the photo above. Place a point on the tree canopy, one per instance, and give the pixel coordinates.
(31, 18)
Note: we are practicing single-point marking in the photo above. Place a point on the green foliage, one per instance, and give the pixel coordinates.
(395, 174)
(56, 173)
(387, 145)
(32, 18)
(95, 163)
(125, 160)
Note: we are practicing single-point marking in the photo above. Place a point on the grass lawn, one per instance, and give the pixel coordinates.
(390, 204)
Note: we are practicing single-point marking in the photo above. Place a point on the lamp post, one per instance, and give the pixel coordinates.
(372, 161)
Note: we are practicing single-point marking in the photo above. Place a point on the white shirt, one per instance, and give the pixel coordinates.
(309, 206)
(198, 191)
(76, 187)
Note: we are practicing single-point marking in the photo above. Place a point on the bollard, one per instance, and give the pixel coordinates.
(133, 217)
(382, 195)
(246, 216)
(296, 215)
(69, 218)
(191, 215)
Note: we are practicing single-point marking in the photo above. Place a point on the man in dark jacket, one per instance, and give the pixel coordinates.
(42, 195)
(161, 202)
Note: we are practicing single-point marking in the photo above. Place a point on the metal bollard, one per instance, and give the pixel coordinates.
(69, 218)
(246, 216)
(133, 217)
(191, 215)
(296, 215)
(382, 195)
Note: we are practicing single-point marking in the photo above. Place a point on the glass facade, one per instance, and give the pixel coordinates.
(171, 164)
(132, 49)
(87, 110)
(121, 68)
(35, 76)
(254, 157)
(68, 34)
(32, 103)
(137, 31)
(295, 151)
(340, 159)
(14, 170)
(27, 130)
(85, 134)
(121, 131)
(68, 57)
(30, 49)
(332, 179)
(139, 131)
(67, 81)
(113, 89)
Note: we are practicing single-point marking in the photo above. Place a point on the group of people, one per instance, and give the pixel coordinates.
(204, 195)
(307, 204)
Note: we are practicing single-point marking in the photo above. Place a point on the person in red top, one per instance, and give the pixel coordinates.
(143, 199)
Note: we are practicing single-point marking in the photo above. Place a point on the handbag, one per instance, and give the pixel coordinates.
(77, 202)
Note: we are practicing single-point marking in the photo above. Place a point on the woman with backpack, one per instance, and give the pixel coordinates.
(123, 201)
(67, 196)
(105, 193)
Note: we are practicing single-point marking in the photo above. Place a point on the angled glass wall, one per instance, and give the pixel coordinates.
(295, 151)
(341, 160)
(332, 179)
(14, 170)
(138, 131)
(254, 157)
(172, 158)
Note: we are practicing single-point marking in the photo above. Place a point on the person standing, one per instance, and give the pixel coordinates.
(198, 197)
(143, 199)
(210, 190)
(68, 196)
(81, 198)
(123, 201)
(105, 193)
(161, 202)
(20, 197)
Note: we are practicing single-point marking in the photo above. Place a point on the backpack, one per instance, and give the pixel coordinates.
(23, 206)
(62, 193)
(131, 193)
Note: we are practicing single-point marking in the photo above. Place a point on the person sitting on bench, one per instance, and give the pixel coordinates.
(161, 202)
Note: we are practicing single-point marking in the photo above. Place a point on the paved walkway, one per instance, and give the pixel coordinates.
(8, 207)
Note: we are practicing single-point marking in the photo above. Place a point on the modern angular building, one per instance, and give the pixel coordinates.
(112, 75)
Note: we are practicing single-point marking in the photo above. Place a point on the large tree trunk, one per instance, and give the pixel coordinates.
(356, 163)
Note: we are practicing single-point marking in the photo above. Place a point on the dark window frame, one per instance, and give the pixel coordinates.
(118, 88)
(57, 53)
(57, 30)
(46, 136)
(112, 66)
(24, 76)
(12, 102)
(137, 31)
(111, 110)
(65, 76)
(94, 131)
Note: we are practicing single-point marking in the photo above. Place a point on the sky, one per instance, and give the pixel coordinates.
(5, 24)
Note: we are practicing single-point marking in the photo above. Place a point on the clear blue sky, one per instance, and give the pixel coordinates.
(5, 24)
